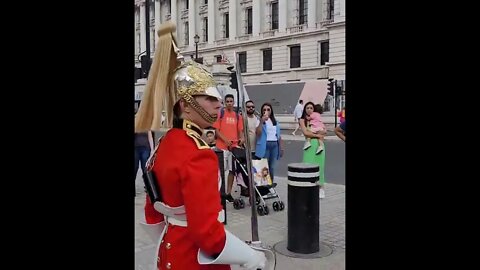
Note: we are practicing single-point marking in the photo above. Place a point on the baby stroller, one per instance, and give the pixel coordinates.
(264, 190)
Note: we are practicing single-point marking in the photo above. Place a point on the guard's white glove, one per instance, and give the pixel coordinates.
(258, 261)
(237, 252)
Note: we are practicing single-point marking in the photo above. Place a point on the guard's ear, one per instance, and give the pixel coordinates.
(184, 106)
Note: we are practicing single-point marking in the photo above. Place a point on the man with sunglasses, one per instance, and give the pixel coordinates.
(253, 123)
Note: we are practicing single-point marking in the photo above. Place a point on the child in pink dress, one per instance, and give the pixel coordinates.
(316, 125)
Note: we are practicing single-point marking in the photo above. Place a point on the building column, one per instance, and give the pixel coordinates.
(143, 43)
(174, 11)
(312, 14)
(192, 19)
(256, 17)
(158, 16)
(232, 15)
(267, 11)
(173, 17)
(342, 8)
(282, 16)
(137, 48)
(152, 26)
(211, 22)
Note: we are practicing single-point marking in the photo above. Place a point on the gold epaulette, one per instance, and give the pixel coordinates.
(194, 132)
(201, 144)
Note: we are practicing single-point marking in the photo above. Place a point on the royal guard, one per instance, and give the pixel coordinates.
(182, 210)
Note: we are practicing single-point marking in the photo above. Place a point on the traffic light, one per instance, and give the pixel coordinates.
(330, 86)
(338, 91)
(233, 78)
(145, 62)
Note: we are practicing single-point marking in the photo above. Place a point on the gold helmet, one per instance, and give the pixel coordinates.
(171, 79)
(193, 79)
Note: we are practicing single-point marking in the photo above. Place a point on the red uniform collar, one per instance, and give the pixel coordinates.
(188, 126)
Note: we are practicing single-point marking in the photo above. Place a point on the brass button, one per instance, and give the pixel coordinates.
(168, 246)
(189, 126)
(169, 265)
(158, 259)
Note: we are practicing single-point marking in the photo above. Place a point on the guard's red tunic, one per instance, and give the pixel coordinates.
(187, 173)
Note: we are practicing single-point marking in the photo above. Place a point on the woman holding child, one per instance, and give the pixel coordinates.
(312, 154)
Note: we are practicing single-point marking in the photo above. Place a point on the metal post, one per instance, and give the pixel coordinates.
(147, 27)
(241, 89)
(196, 39)
(335, 101)
(196, 51)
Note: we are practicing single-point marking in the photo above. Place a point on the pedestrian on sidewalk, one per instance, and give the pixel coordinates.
(309, 154)
(297, 113)
(316, 126)
(341, 114)
(269, 140)
(341, 130)
(210, 138)
(229, 133)
(143, 149)
(253, 123)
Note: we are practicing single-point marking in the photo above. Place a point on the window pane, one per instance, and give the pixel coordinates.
(295, 56)
(242, 57)
(249, 21)
(205, 31)
(186, 33)
(303, 11)
(226, 26)
(275, 16)
(323, 52)
(267, 59)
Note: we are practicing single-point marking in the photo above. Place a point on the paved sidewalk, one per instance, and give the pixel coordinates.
(272, 229)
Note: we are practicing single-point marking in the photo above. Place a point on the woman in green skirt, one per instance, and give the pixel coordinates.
(310, 154)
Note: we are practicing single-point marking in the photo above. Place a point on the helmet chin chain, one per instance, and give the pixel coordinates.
(206, 116)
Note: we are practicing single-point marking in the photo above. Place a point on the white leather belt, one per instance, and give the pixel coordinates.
(174, 221)
(172, 215)
(184, 223)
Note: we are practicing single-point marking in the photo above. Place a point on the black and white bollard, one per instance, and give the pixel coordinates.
(303, 211)
(303, 208)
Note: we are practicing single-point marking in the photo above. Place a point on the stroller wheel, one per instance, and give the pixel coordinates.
(260, 210)
(257, 200)
(276, 206)
(266, 210)
(282, 206)
(241, 203)
(236, 204)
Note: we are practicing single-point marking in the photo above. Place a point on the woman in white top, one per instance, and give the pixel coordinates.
(269, 142)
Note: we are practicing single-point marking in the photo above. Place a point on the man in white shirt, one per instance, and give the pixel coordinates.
(298, 114)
